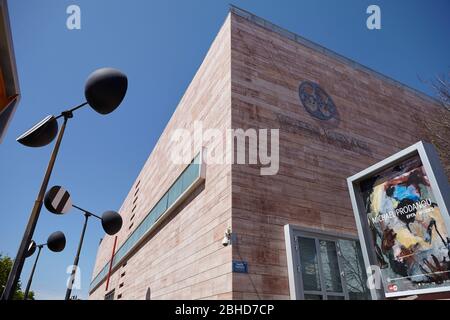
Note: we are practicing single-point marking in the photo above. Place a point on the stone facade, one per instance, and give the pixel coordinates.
(250, 79)
(376, 118)
(184, 257)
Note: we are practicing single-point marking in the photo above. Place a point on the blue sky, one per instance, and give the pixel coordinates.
(159, 45)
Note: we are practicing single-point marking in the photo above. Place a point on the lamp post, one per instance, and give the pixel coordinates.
(55, 242)
(104, 91)
(58, 201)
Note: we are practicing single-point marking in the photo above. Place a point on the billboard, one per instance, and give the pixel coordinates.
(403, 221)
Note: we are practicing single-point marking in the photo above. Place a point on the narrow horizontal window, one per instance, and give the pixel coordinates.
(110, 295)
(185, 183)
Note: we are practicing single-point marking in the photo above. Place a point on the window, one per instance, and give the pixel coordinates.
(185, 183)
(110, 295)
(324, 266)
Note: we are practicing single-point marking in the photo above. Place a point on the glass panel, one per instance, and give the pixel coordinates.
(330, 266)
(174, 192)
(313, 297)
(184, 181)
(197, 159)
(353, 265)
(309, 264)
(160, 208)
(335, 297)
(190, 175)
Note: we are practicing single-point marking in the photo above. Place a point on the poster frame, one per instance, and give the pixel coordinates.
(441, 189)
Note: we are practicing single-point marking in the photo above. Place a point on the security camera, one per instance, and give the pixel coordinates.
(225, 241)
(227, 238)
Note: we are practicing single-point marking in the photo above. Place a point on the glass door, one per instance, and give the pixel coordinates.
(330, 269)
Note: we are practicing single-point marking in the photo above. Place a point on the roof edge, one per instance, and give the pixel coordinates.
(317, 47)
(14, 78)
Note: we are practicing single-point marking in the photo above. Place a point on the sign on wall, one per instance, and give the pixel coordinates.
(240, 266)
(403, 222)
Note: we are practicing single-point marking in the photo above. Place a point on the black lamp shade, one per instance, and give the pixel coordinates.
(56, 242)
(41, 134)
(111, 222)
(31, 249)
(57, 200)
(105, 89)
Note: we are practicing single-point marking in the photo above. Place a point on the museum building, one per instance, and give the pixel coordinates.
(204, 230)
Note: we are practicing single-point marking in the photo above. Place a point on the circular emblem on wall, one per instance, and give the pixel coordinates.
(316, 101)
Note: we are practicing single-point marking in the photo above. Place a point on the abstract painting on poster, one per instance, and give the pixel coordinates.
(409, 234)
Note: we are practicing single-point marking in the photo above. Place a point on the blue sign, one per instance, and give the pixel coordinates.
(240, 266)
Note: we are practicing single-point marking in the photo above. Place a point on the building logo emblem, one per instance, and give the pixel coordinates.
(316, 101)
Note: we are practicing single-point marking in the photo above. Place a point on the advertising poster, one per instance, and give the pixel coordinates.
(410, 238)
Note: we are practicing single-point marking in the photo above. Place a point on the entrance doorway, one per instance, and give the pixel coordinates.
(325, 266)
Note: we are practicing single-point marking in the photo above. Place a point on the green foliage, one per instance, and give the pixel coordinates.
(5, 267)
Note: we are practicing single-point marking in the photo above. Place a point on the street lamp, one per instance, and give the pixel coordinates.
(58, 201)
(104, 91)
(56, 242)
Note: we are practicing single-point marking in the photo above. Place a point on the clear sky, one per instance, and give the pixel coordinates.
(159, 45)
